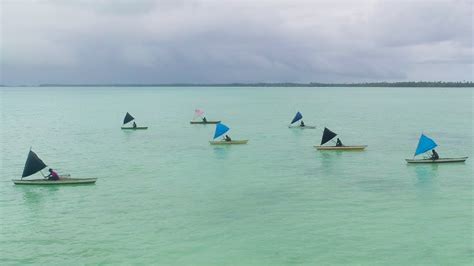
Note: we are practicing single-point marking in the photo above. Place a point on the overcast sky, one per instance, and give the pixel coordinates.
(213, 41)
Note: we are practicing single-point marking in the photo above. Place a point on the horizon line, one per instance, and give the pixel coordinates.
(263, 84)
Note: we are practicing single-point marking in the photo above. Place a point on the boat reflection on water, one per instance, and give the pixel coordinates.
(33, 196)
(329, 161)
(426, 177)
(221, 152)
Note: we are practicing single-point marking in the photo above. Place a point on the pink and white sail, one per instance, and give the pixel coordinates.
(198, 113)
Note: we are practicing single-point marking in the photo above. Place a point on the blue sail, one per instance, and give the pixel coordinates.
(298, 117)
(221, 129)
(425, 144)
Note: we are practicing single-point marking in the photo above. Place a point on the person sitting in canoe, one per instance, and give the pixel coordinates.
(434, 155)
(52, 175)
(134, 124)
(204, 120)
(339, 143)
(302, 124)
(227, 138)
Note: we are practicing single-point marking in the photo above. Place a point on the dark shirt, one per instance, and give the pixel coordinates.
(435, 155)
(302, 124)
(227, 138)
(338, 143)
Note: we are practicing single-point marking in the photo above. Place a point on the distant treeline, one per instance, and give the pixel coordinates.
(398, 84)
(285, 84)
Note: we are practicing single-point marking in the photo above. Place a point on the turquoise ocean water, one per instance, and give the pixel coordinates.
(165, 196)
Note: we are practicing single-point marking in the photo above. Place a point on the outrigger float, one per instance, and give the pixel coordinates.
(223, 142)
(221, 129)
(426, 144)
(134, 128)
(329, 135)
(204, 123)
(343, 148)
(128, 118)
(34, 164)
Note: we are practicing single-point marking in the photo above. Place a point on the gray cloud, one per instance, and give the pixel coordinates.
(149, 41)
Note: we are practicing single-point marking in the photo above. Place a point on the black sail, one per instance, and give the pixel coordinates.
(327, 135)
(128, 118)
(33, 164)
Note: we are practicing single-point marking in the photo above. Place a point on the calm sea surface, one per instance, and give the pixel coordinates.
(165, 196)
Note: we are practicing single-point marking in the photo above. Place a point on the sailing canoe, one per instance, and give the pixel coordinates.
(223, 142)
(426, 144)
(34, 165)
(61, 181)
(203, 123)
(135, 128)
(440, 160)
(329, 135)
(221, 129)
(129, 118)
(297, 118)
(342, 148)
(200, 114)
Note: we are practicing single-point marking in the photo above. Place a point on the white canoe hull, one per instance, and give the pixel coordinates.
(204, 123)
(222, 142)
(305, 127)
(61, 181)
(341, 148)
(135, 128)
(440, 160)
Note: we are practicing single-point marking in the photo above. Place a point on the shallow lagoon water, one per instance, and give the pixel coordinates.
(166, 196)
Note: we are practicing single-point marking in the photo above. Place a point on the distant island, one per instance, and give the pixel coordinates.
(407, 84)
